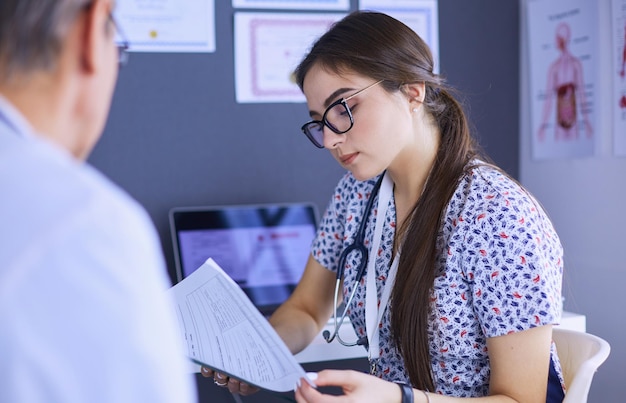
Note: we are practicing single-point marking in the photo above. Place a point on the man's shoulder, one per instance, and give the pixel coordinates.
(52, 170)
(49, 189)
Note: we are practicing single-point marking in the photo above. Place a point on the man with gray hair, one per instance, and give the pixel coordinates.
(83, 311)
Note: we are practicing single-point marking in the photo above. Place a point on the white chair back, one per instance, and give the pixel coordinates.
(580, 355)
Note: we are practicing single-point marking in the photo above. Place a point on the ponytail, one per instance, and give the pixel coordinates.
(418, 260)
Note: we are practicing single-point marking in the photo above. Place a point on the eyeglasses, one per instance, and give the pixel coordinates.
(121, 42)
(337, 117)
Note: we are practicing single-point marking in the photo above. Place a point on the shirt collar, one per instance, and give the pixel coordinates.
(14, 120)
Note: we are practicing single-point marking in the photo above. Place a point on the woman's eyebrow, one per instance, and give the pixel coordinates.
(335, 94)
(331, 98)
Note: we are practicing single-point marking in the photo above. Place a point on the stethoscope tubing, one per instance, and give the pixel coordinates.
(357, 245)
(339, 323)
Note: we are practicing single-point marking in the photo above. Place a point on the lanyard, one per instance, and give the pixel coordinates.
(374, 311)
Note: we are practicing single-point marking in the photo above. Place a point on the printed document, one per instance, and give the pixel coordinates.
(224, 331)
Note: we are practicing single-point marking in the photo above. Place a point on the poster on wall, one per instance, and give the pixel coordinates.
(618, 98)
(563, 54)
(166, 26)
(268, 48)
(419, 15)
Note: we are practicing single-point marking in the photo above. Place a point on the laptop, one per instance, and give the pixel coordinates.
(263, 248)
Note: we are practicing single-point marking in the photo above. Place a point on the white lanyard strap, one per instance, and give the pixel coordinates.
(373, 311)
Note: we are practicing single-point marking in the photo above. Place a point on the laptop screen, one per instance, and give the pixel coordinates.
(263, 248)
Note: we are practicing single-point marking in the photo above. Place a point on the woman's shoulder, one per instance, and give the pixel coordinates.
(488, 190)
(490, 184)
(487, 194)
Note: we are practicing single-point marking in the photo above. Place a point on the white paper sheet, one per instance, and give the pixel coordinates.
(223, 330)
(419, 15)
(168, 25)
(294, 4)
(268, 47)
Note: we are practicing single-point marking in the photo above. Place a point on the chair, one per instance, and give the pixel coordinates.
(580, 355)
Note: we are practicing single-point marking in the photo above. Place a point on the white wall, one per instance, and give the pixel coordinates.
(586, 199)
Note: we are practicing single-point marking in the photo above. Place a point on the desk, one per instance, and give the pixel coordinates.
(573, 321)
(319, 350)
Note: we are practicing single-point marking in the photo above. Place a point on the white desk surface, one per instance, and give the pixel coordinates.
(320, 350)
(573, 321)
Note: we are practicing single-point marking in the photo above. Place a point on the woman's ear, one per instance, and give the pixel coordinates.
(415, 92)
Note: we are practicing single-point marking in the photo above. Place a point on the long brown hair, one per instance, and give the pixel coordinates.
(378, 46)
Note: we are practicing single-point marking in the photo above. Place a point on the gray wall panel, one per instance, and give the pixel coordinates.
(176, 136)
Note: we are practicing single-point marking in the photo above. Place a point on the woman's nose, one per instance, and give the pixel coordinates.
(332, 139)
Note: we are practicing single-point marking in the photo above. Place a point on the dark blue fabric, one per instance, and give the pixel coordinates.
(555, 390)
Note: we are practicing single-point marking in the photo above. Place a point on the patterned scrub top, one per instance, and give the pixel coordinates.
(500, 269)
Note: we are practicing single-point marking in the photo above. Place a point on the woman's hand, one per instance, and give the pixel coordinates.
(356, 386)
(233, 385)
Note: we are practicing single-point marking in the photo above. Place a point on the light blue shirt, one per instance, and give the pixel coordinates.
(83, 311)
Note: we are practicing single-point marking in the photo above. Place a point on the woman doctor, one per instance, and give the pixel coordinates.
(462, 282)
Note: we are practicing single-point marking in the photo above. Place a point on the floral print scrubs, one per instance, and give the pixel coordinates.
(499, 271)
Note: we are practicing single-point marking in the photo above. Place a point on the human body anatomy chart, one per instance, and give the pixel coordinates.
(563, 65)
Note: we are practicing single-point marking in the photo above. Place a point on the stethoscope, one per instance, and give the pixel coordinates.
(357, 246)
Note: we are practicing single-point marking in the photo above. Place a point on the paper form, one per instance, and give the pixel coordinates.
(223, 330)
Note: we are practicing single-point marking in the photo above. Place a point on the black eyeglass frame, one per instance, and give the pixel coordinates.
(123, 45)
(324, 122)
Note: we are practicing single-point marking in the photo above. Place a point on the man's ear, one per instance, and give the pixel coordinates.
(94, 39)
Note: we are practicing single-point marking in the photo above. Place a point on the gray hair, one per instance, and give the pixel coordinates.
(32, 33)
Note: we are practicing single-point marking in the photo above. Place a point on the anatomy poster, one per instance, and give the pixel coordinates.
(563, 54)
(618, 98)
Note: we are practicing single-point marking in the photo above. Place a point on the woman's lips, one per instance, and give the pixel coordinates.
(348, 159)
